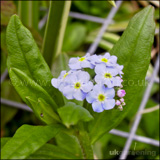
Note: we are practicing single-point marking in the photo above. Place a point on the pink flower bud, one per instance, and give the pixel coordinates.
(123, 104)
(121, 93)
(118, 102)
(122, 100)
(121, 86)
(120, 107)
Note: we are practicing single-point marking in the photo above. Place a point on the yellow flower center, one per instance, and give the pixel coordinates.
(82, 59)
(101, 97)
(107, 75)
(65, 75)
(77, 85)
(104, 60)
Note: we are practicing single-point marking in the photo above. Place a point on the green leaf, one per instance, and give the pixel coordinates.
(27, 140)
(55, 28)
(71, 114)
(49, 151)
(112, 2)
(133, 51)
(43, 110)
(24, 55)
(27, 88)
(69, 143)
(4, 140)
(74, 37)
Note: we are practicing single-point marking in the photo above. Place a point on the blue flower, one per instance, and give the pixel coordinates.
(119, 68)
(103, 59)
(61, 80)
(79, 63)
(77, 85)
(107, 75)
(101, 98)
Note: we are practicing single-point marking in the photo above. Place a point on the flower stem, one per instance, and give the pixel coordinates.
(85, 144)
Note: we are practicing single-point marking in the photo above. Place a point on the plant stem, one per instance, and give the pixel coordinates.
(84, 141)
(28, 13)
(54, 32)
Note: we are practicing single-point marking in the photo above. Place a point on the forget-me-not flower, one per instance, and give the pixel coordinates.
(119, 69)
(101, 98)
(61, 80)
(77, 86)
(105, 59)
(79, 63)
(106, 75)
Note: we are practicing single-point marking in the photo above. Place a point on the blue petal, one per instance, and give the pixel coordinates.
(91, 97)
(113, 59)
(79, 95)
(72, 78)
(97, 107)
(108, 83)
(93, 59)
(83, 76)
(62, 74)
(100, 68)
(98, 88)
(73, 60)
(116, 81)
(109, 104)
(86, 64)
(75, 65)
(107, 55)
(99, 79)
(112, 70)
(55, 82)
(109, 92)
(68, 92)
(87, 87)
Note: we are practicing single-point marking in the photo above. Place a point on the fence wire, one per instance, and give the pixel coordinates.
(105, 22)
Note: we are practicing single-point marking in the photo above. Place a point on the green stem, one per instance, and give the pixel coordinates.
(28, 13)
(54, 32)
(84, 141)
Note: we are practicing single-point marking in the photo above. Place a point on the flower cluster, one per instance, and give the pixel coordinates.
(103, 90)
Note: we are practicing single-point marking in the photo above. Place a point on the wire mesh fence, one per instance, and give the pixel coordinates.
(153, 79)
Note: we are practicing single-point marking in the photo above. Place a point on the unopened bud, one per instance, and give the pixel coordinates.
(120, 107)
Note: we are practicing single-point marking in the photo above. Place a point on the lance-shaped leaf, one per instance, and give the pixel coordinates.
(24, 55)
(69, 143)
(55, 28)
(71, 114)
(27, 140)
(133, 51)
(43, 110)
(4, 140)
(49, 151)
(26, 87)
